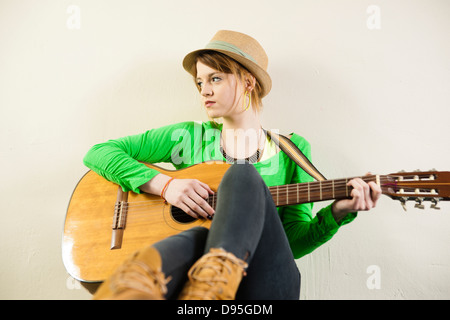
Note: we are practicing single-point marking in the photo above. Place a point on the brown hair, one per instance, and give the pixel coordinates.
(225, 64)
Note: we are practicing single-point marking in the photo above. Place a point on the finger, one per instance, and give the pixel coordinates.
(199, 196)
(358, 194)
(206, 187)
(188, 210)
(375, 192)
(368, 203)
(368, 196)
(355, 200)
(200, 201)
(200, 190)
(196, 208)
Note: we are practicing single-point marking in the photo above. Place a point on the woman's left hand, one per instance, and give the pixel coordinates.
(364, 196)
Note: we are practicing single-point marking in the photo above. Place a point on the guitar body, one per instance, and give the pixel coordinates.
(87, 238)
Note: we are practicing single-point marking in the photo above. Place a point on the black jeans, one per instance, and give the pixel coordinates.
(247, 224)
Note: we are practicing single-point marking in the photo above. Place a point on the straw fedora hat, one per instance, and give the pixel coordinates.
(240, 47)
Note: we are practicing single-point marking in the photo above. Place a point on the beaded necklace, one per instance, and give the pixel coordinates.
(251, 159)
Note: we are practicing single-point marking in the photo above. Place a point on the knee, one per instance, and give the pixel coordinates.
(243, 172)
(195, 234)
(242, 178)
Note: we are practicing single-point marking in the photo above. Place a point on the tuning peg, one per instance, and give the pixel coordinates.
(403, 202)
(434, 204)
(419, 204)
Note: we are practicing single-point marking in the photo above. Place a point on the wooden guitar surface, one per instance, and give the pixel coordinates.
(105, 225)
(86, 246)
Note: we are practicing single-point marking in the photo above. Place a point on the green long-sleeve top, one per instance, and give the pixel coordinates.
(188, 143)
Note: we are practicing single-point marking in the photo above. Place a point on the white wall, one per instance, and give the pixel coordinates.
(367, 99)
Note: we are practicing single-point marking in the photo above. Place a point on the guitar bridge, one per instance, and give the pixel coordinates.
(119, 219)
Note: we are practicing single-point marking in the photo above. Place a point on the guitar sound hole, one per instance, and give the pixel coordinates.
(180, 216)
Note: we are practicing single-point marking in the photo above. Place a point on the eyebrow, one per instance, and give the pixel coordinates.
(209, 75)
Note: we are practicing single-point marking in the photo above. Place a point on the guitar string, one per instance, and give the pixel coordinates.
(136, 211)
(136, 215)
(312, 187)
(175, 213)
(142, 214)
(145, 210)
(282, 190)
(282, 193)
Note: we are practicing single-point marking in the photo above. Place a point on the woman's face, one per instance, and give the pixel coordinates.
(221, 92)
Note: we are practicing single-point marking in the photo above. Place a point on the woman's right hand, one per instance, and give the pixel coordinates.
(187, 194)
(190, 196)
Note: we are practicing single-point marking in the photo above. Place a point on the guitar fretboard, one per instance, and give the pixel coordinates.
(316, 191)
(297, 193)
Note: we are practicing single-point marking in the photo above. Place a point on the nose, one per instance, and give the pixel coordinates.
(206, 90)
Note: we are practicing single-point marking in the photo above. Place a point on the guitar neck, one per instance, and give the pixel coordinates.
(315, 191)
(431, 186)
(298, 193)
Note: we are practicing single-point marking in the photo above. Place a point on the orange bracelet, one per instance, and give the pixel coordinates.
(163, 191)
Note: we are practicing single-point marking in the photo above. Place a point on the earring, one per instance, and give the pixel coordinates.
(247, 94)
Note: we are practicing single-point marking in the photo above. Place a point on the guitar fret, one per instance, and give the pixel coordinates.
(287, 195)
(277, 196)
(309, 193)
(320, 188)
(332, 183)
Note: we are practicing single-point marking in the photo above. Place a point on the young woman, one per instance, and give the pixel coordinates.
(249, 251)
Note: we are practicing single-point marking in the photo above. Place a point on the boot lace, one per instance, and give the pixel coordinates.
(137, 275)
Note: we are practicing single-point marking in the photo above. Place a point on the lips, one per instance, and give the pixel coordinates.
(209, 103)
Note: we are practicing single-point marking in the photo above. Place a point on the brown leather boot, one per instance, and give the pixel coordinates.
(138, 278)
(215, 276)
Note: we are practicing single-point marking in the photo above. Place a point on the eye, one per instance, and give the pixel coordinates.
(216, 79)
(199, 84)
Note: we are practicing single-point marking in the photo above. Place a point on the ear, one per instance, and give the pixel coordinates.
(249, 82)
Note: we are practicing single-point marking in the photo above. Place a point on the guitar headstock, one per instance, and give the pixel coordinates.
(418, 186)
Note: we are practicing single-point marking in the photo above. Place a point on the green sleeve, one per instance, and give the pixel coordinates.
(120, 160)
(305, 232)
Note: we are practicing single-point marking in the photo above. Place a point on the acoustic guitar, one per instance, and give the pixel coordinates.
(104, 225)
